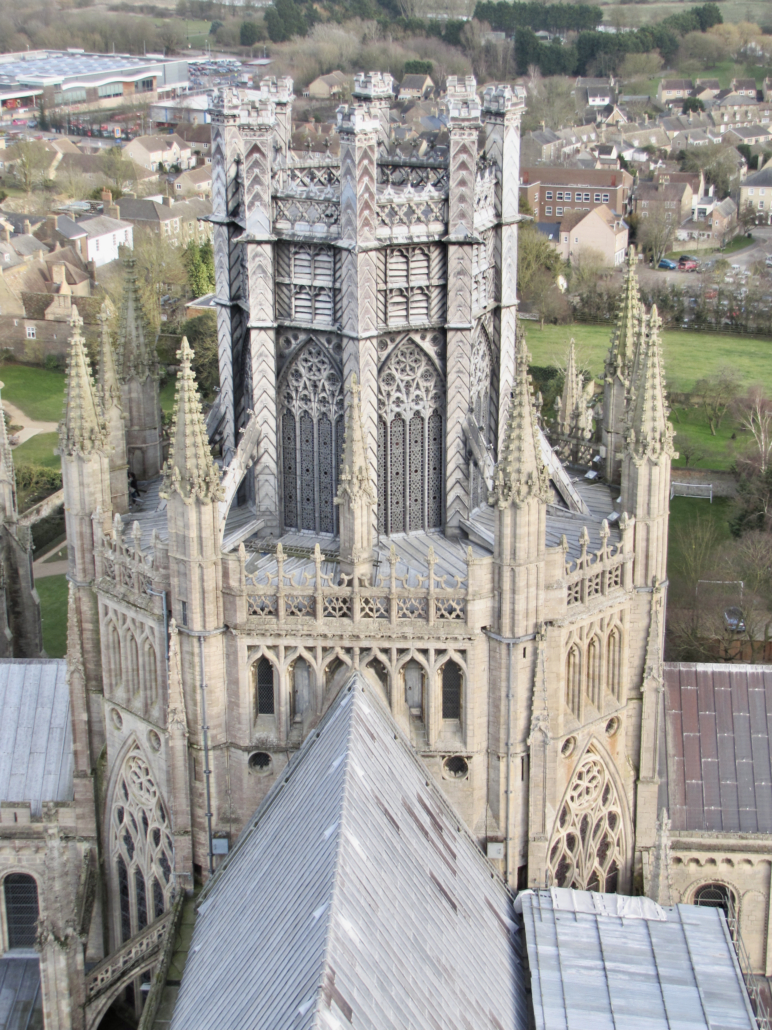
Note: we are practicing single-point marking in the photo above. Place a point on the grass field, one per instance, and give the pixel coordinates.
(718, 451)
(37, 391)
(39, 450)
(166, 396)
(52, 592)
(688, 356)
(684, 511)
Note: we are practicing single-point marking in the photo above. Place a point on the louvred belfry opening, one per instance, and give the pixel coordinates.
(411, 401)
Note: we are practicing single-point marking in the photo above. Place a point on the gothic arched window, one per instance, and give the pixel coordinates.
(452, 679)
(414, 688)
(574, 680)
(614, 663)
(264, 692)
(411, 402)
(588, 846)
(131, 665)
(301, 689)
(21, 909)
(141, 846)
(594, 672)
(311, 400)
(114, 640)
(480, 403)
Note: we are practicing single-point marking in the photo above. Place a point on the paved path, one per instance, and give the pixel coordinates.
(31, 427)
(52, 568)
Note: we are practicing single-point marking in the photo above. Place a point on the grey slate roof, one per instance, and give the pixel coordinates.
(605, 962)
(719, 771)
(355, 897)
(21, 1004)
(35, 733)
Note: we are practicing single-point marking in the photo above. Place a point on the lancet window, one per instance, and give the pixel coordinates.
(480, 405)
(594, 672)
(614, 663)
(574, 680)
(588, 845)
(411, 402)
(141, 847)
(311, 397)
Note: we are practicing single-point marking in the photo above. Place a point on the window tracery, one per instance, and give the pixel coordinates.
(574, 680)
(588, 847)
(614, 663)
(141, 846)
(594, 672)
(411, 398)
(480, 404)
(311, 399)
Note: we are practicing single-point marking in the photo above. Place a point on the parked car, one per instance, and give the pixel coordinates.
(733, 619)
(687, 264)
(668, 264)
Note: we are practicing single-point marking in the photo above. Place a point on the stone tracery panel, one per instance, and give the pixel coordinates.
(411, 402)
(588, 846)
(141, 848)
(311, 406)
(480, 405)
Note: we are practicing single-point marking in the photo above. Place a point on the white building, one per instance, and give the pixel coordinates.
(104, 235)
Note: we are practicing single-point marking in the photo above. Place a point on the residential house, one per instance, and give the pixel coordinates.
(705, 86)
(744, 87)
(415, 87)
(541, 146)
(328, 86)
(191, 109)
(608, 155)
(197, 181)
(673, 198)
(599, 96)
(153, 152)
(749, 135)
(198, 138)
(724, 220)
(180, 221)
(104, 238)
(733, 109)
(553, 192)
(671, 90)
(600, 230)
(756, 193)
(643, 136)
(690, 138)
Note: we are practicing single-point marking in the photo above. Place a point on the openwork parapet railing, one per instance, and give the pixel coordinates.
(596, 573)
(133, 953)
(314, 596)
(124, 562)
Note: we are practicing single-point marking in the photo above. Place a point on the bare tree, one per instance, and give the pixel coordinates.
(753, 413)
(656, 233)
(31, 162)
(716, 394)
(117, 168)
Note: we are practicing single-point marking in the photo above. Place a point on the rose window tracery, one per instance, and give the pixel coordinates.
(411, 401)
(311, 398)
(141, 847)
(588, 846)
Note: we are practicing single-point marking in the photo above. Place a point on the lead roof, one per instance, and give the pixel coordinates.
(355, 896)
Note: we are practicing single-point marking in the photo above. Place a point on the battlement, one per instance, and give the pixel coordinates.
(459, 89)
(373, 85)
(277, 88)
(501, 98)
(355, 118)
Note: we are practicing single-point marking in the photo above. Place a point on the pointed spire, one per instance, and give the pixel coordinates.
(521, 474)
(626, 336)
(190, 469)
(107, 379)
(7, 476)
(82, 429)
(650, 434)
(660, 886)
(571, 388)
(136, 353)
(354, 479)
(177, 715)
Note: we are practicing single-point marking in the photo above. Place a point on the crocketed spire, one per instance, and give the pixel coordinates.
(83, 429)
(521, 474)
(354, 482)
(649, 432)
(190, 469)
(136, 354)
(107, 378)
(626, 338)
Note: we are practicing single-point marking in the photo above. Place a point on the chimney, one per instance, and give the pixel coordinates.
(167, 201)
(7, 233)
(107, 197)
(27, 227)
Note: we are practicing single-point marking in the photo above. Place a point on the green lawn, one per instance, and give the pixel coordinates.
(39, 450)
(166, 396)
(37, 391)
(691, 426)
(52, 592)
(683, 513)
(688, 356)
